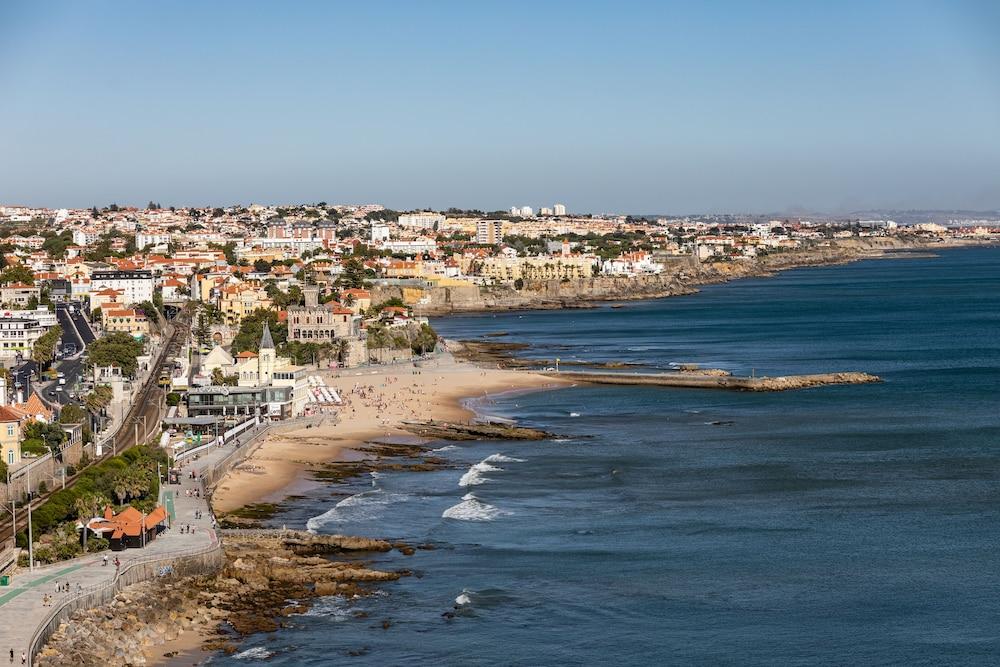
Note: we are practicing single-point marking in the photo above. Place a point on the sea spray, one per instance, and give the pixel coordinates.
(473, 509)
(359, 507)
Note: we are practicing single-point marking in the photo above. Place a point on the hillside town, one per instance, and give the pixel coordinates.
(270, 295)
(134, 342)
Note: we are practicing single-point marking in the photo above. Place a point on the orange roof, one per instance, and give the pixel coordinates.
(246, 354)
(8, 415)
(34, 407)
(128, 522)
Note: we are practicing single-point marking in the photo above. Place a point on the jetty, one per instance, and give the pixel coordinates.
(710, 381)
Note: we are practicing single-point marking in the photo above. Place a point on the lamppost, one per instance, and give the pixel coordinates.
(31, 546)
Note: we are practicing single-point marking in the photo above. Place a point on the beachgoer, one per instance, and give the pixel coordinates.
(105, 560)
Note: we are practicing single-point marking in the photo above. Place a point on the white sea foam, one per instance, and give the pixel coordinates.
(473, 509)
(446, 448)
(474, 476)
(359, 507)
(463, 597)
(255, 653)
(574, 414)
(500, 458)
(334, 607)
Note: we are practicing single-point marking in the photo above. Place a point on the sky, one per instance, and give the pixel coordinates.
(634, 107)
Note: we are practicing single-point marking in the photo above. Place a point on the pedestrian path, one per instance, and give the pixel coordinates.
(22, 604)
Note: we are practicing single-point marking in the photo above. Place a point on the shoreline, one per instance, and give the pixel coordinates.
(679, 280)
(281, 466)
(376, 403)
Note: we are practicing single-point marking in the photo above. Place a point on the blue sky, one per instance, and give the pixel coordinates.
(641, 107)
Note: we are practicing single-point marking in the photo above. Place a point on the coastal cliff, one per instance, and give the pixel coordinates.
(682, 276)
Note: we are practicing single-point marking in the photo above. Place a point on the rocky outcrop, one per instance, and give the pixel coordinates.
(264, 571)
(479, 431)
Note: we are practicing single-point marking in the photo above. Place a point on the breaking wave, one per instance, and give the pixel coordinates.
(474, 476)
(359, 507)
(255, 653)
(473, 509)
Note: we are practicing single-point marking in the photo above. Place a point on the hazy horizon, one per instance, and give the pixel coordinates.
(624, 107)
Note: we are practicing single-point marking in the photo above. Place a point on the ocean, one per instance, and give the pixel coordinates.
(837, 525)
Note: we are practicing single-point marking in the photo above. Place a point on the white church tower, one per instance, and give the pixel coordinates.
(265, 358)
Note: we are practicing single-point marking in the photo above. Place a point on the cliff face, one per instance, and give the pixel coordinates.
(680, 278)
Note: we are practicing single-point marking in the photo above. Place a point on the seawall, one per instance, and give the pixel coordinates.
(695, 381)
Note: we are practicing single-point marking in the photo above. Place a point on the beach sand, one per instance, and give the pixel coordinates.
(376, 401)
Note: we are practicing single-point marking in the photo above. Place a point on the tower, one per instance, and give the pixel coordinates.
(265, 358)
(311, 293)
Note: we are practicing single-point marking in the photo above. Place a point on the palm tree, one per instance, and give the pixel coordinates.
(120, 487)
(342, 348)
(90, 505)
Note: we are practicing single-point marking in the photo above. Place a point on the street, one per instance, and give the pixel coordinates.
(77, 334)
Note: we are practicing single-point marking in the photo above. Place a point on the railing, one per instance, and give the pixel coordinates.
(132, 572)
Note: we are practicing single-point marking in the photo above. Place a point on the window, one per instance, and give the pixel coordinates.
(10, 456)
(10, 430)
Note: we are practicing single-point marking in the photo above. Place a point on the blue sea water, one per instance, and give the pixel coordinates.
(838, 525)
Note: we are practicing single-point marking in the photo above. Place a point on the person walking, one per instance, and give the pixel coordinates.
(12, 655)
(24, 658)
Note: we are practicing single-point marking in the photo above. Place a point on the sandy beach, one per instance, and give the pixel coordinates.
(376, 402)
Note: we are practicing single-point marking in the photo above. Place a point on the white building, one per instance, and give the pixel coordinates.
(136, 285)
(527, 212)
(18, 336)
(417, 246)
(559, 209)
(85, 236)
(420, 220)
(144, 239)
(545, 211)
(45, 317)
(380, 233)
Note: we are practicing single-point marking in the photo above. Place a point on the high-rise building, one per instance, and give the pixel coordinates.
(545, 210)
(489, 232)
(527, 212)
(559, 209)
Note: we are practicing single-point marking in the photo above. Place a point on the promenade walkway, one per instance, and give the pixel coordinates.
(22, 608)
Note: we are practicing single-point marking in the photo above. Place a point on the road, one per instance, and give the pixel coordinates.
(76, 335)
(141, 420)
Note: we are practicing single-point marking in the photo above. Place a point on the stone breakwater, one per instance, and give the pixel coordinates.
(682, 276)
(713, 381)
(268, 576)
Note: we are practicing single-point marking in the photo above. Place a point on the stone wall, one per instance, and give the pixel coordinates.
(206, 560)
(388, 355)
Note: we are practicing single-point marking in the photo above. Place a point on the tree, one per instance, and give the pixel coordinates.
(90, 505)
(261, 266)
(353, 275)
(202, 332)
(425, 341)
(44, 350)
(115, 349)
(98, 399)
(74, 414)
(173, 399)
(341, 348)
(220, 380)
(17, 273)
(252, 328)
